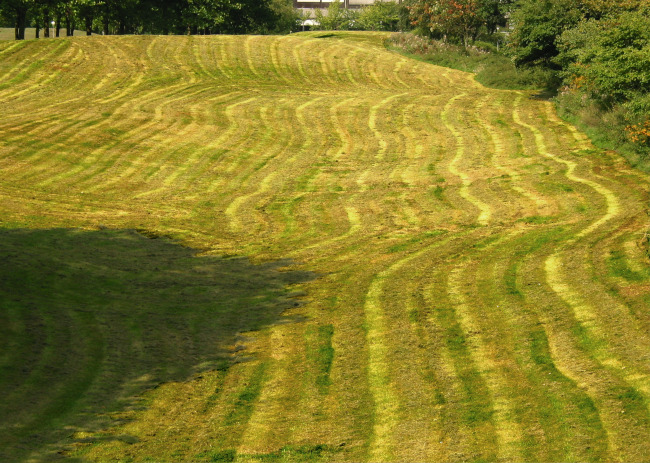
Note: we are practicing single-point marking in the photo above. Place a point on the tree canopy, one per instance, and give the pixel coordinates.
(538, 25)
(151, 16)
(460, 20)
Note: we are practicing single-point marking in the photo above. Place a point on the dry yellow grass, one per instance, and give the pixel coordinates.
(481, 294)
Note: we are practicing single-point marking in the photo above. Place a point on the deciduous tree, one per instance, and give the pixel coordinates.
(608, 59)
(451, 19)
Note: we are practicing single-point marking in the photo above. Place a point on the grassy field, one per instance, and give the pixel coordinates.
(8, 33)
(309, 248)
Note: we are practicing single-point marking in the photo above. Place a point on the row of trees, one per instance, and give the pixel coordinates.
(149, 16)
(443, 19)
(380, 16)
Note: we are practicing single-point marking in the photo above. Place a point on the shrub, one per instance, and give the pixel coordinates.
(383, 16)
(337, 18)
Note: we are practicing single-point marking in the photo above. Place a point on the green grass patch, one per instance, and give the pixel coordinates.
(617, 263)
(297, 453)
(605, 127)
(415, 240)
(484, 243)
(325, 356)
(536, 219)
(510, 280)
(476, 406)
(223, 456)
(438, 192)
(634, 404)
(533, 242)
(244, 404)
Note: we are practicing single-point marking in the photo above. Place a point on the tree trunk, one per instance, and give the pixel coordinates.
(165, 27)
(46, 24)
(21, 22)
(105, 18)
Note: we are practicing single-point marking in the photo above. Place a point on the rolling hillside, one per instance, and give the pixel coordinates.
(468, 275)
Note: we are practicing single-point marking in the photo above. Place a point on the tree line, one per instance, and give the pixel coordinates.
(149, 16)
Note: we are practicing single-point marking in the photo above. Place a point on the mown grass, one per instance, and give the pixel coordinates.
(93, 318)
(286, 453)
(480, 294)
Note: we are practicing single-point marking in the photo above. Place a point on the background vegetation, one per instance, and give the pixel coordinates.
(150, 16)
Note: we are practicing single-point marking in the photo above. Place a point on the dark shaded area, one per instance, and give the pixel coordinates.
(90, 319)
(318, 452)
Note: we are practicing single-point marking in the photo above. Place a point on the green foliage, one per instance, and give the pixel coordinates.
(14, 13)
(537, 25)
(453, 19)
(155, 16)
(287, 18)
(457, 20)
(383, 16)
(337, 17)
(608, 60)
(494, 13)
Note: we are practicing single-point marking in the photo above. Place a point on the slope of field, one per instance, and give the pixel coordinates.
(482, 285)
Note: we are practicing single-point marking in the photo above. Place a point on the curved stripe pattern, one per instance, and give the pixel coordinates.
(483, 283)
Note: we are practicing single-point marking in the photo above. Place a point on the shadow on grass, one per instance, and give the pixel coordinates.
(90, 319)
